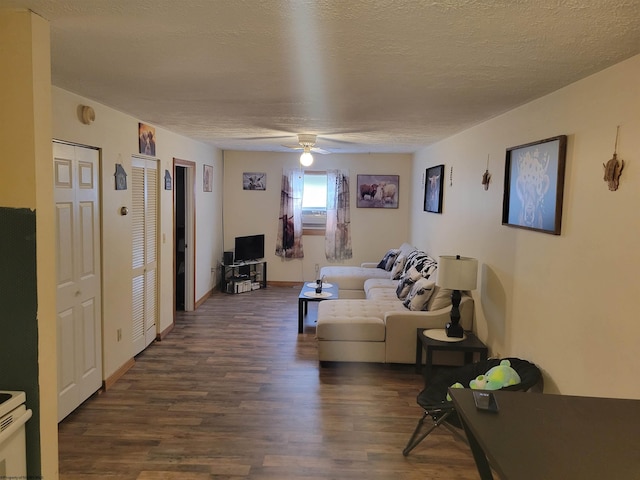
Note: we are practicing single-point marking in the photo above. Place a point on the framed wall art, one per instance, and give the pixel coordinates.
(207, 179)
(378, 191)
(147, 139)
(254, 181)
(534, 185)
(433, 189)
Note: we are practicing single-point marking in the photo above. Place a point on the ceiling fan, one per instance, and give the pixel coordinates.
(307, 143)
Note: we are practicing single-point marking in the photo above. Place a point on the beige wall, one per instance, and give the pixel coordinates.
(115, 133)
(373, 230)
(26, 181)
(565, 302)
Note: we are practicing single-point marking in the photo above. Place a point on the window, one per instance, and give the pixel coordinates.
(314, 203)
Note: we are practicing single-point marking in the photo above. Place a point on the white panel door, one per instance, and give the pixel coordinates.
(79, 322)
(144, 282)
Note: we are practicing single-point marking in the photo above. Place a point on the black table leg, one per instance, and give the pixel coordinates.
(418, 354)
(301, 307)
(428, 364)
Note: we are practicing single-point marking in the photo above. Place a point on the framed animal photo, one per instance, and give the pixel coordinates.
(534, 185)
(433, 189)
(254, 181)
(378, 191)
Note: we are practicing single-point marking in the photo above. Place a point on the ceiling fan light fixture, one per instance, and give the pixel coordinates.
(306, 159)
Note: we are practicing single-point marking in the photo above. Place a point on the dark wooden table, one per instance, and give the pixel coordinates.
(469, 346)
(304, 299)
(538, 436)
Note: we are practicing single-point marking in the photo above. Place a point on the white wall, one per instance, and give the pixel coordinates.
(565, 302)
(373, 230)
(116, 134)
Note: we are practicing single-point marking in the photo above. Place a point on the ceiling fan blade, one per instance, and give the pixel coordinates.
(278, 137)
(294, 147)
(320, 151)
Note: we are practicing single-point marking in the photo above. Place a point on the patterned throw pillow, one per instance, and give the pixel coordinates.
(411, 258)
(421, 262)
(419, 296)
(387, 261)
(415, 259)
(398, 267)
(406, 282)
(428, 268)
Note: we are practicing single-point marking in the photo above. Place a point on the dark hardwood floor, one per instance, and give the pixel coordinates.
(233, 392)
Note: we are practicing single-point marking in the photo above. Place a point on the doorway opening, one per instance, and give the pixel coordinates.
(184, 236)
(180, 243)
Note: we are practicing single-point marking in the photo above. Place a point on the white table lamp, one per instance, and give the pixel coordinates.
(456, 273)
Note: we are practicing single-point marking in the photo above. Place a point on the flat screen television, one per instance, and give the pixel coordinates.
(249, 248)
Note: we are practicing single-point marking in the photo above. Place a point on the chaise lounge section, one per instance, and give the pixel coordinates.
(350, 279)
(378, 323)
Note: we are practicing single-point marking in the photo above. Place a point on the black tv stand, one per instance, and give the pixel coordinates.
(244, 276)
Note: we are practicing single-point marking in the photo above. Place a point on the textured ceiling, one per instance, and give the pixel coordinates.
(364, 75)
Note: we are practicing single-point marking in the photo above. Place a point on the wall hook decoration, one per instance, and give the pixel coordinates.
(486, 177)
(121, 177)
(613, 168)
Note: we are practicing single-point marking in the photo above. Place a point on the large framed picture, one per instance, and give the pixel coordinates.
(433, 189)
(534, 185)
(378, 191)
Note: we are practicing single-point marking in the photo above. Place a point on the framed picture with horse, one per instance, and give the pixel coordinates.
(534, 185)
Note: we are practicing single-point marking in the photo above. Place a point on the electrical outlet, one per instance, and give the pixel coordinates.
(317, 269)
(119, 334)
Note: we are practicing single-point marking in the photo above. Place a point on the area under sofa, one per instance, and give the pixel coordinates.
(372, 324)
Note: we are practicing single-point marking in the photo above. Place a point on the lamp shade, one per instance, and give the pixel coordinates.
(457, 273)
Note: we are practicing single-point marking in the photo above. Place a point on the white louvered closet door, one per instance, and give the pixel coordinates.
(144, 283)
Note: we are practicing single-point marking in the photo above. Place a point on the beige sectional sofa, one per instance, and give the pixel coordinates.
(374, 325)
(350, 279)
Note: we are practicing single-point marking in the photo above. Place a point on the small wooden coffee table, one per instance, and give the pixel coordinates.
(308, 294)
